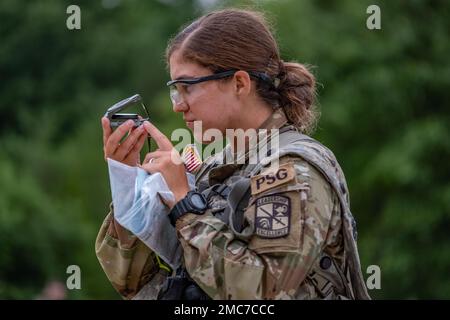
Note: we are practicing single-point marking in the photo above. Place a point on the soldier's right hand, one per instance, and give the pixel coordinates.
(127, 151)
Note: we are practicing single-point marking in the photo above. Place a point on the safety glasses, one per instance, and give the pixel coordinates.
(176, 96)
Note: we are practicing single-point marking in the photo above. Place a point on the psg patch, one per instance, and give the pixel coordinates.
(273, 216)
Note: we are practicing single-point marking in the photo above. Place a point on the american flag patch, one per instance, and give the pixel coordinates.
(191, 158)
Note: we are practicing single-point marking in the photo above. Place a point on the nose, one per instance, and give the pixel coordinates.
(180, 107)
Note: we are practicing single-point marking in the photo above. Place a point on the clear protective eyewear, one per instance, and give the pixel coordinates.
(176, 95)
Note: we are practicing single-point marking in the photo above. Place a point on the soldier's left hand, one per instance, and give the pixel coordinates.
(167, 161)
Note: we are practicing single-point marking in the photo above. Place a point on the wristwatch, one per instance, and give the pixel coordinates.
(193, 202)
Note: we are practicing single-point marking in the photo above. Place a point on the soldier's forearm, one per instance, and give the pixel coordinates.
(126, 261)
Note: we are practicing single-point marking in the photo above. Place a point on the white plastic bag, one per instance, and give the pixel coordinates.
(138, 207)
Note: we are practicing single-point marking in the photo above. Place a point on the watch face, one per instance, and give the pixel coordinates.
(198, 201)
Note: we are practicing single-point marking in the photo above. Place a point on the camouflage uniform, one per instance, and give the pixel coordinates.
(296, 239)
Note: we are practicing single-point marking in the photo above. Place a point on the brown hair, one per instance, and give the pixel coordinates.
(241, 39)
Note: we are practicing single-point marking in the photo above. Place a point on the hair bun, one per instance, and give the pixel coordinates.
(297, 90)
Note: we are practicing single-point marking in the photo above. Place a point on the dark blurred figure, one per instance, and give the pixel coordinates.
(53, 290)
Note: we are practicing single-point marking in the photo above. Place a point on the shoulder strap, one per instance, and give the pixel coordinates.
(237, 201)
(295, 143)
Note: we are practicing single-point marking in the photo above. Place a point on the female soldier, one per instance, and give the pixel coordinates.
(248, 231)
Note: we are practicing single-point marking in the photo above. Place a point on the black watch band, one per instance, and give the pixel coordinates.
(179, 210)
(186, 205)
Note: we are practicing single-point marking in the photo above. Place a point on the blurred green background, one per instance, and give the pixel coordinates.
(384, 96)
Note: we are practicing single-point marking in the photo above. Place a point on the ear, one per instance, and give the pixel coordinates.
(242, 83)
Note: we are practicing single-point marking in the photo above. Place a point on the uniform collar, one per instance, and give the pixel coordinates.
(276, 120)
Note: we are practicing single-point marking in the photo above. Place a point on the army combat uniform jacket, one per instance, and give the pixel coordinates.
(295, 237)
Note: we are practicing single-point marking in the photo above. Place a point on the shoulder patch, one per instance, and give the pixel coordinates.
(270, 179)
(273, 216)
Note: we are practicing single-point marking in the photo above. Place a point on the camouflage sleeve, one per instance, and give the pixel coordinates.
(293, 214)
(128, 263)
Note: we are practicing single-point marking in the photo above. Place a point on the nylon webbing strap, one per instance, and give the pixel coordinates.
(240, 191)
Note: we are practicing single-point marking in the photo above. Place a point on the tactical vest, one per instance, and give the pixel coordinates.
(237, 194)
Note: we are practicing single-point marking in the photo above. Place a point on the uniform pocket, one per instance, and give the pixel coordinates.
(249, 276)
